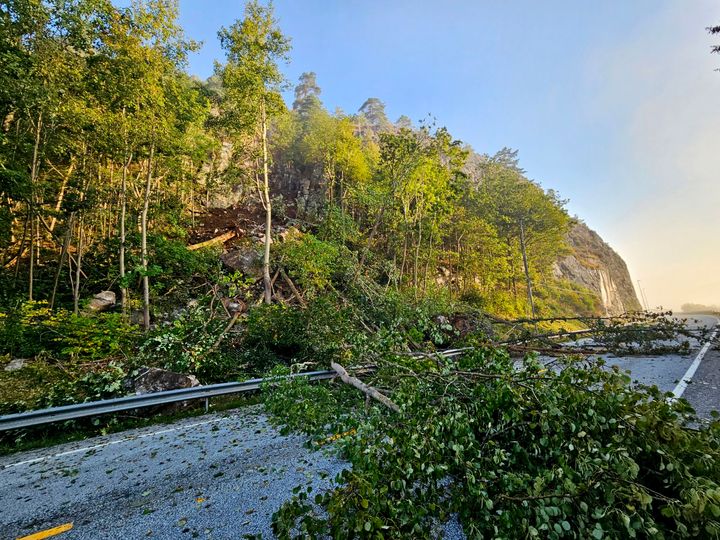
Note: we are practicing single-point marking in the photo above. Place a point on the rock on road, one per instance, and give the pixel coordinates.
(220, 476)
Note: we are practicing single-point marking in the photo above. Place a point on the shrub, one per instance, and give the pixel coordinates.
(340, 227)
(325, 331)
(32, 328)
(312, 262)
(187, 344)
(104, 383)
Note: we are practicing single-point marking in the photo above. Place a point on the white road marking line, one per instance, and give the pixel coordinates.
(117, 441)
(682, 385)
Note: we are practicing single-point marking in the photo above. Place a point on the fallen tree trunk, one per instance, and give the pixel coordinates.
(560, 351)
(364, 388)
(217, 240)
(527, 339)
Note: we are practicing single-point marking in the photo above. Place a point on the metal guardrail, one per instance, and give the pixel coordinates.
(129, 403)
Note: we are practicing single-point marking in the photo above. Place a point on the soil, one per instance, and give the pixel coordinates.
(245, 220)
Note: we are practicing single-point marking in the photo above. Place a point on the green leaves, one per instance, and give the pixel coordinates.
(490, 441)
(190, 345)
(313, 262)
(251, 77)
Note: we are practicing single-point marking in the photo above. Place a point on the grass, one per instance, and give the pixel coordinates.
(25, 388)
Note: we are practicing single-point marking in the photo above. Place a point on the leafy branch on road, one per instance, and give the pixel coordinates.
(575, 452)
(639, 333)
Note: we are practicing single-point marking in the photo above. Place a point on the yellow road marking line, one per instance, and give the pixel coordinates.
(48, 533)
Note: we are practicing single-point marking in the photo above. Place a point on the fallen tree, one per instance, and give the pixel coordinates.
(570, 452)
(221, 239)
(364, 388)
(638, 333)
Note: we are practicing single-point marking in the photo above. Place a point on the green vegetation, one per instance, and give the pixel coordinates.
(110, 154)
(387, 238)
(532, 452)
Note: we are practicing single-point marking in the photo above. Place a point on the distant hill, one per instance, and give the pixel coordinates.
(691, 307)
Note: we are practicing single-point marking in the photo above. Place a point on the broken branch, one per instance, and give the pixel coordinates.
(294, 290)
(364, 388)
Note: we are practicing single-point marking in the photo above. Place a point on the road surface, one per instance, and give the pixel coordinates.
(668, 371)
(220, 476)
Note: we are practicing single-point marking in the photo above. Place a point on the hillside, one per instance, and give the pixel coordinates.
(595, 265)
(422, 309)
(149, 219)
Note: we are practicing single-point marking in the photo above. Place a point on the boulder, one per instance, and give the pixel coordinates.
(471, 323)
(136, 316)
(102, 301)
(233, 304)
(15, 364)
(158, 380)
(291, 233)
(246, 259)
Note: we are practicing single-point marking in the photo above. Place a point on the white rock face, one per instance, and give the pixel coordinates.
(596, 266)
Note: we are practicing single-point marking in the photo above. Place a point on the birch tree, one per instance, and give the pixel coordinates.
(251, 77)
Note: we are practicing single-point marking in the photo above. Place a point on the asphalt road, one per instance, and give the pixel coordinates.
(667, 371)
(220, 476)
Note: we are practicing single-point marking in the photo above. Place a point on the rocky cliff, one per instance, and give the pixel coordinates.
(596, 266)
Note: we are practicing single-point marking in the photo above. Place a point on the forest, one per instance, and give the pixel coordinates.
(112, 155)
(358, 239)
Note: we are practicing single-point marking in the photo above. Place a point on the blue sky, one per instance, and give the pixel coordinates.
(615, 104)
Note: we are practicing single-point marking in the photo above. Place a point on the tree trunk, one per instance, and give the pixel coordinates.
(373, 232)
(31, 271)
(527, 271)
(429, 259)
(21, 250)
(192, 203)
(143, 230)
(417, 258)
(364, 388)
(404, 254)
(123, 211)
(268, 211)
(78, 267)
(38, 237)
(61, 195)
(66, 244)
(33, 227)
(342, 190)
